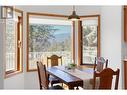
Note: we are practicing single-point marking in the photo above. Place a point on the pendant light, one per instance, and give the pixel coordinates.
(73, 16)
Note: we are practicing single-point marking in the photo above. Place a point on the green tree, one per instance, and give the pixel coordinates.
(86, 31)
(89, 36)
(40, 36)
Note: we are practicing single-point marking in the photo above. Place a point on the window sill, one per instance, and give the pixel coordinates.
(12, 74)
(87, 65)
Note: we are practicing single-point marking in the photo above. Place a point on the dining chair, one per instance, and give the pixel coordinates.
(54, 62)
(99, 64)
(105, 78)
(43, 77)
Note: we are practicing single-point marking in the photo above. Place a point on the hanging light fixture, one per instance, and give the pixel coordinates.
(73, 16)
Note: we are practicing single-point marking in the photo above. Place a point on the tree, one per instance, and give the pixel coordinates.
(89, 36)
(86, 31)
(40, 36)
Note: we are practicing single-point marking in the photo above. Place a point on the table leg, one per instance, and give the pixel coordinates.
(77, 88)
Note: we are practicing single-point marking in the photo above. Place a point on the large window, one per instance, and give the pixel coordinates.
(47, 36)
(90, 38)
(13, 42)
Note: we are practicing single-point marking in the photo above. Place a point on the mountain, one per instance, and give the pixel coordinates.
(62, 37)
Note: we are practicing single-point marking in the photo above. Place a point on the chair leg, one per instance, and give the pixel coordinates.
(40, 87)
(51, 83)
(62, 84)
(77, 88)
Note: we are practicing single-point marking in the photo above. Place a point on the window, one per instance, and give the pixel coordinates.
(13, 43)
(90, 39)
(48, 35)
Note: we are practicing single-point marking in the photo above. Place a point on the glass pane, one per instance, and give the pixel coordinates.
(46, 39)
(11, 41)
(89, 38)
(10, 44)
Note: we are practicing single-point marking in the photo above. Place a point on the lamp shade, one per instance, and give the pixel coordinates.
(73, 16)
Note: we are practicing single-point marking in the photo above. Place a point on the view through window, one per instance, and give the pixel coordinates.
(48, 37)
(13, 42)
(89, 40)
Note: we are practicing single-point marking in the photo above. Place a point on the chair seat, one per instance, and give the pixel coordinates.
(56, 87)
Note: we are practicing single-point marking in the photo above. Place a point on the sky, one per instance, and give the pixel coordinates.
(63, 29)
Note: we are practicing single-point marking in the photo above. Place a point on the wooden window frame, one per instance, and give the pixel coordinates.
(19, 65)
(80, 54)
(125, 23)
(48, 15)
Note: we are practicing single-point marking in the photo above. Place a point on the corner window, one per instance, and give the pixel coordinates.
(48, 36)
(90, 39)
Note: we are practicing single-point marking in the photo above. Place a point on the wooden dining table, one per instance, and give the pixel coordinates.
(70, 80)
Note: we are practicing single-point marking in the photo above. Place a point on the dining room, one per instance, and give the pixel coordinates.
(63, 47)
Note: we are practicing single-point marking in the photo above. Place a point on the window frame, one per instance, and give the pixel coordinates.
(19, 67)
(48, 15)
(80, 53)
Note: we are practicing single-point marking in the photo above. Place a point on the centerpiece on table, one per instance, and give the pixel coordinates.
(71, 66)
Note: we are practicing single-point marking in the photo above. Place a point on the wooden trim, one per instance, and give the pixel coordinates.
(18, 10)
(99, 38)
(19, 65)
(47, 14)
(73, 40)
(79, 42)
(125, 23)
(18, 49)
(27, 67)
(22, 44)
(50, 15)
(27, 50)
(125, 74)
(12, 74)
(80, 39)
(20, 38)
(87, 16)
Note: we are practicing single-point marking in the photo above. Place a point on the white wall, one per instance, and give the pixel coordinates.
(111, 33)
(64, 10)
(14, 82)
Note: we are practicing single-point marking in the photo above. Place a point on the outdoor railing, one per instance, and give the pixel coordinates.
(42, 56)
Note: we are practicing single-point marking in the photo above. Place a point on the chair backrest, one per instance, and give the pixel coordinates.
(54, 60)
(105, 78)
(43, 79)
(99, 63)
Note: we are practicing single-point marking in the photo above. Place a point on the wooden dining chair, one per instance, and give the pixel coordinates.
(105, 78)
(99, 64)
(54, 62)
(43, 78)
